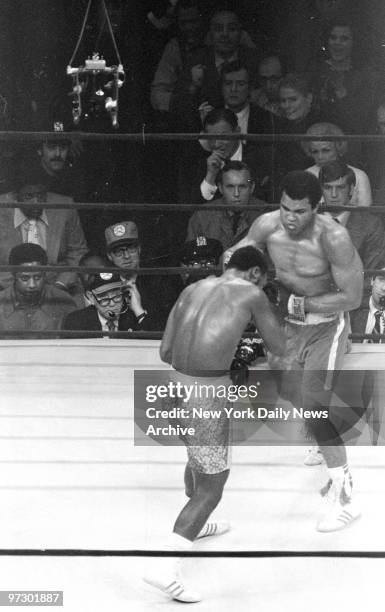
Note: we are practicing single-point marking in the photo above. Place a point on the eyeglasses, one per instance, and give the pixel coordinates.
(121, 251)
(109, 300)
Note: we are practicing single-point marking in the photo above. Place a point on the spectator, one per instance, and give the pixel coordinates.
(366, 230)
(236, 88)
(107, 310)
(199, 182)
(325, 151)
(200, 81)
(177, 53)
(57, 230)
(228, 226)
(270, 74)
(296, 101)
(343, 88)
(148, 299)
(30, 304)
(370, 317)
(200, 253)
(301, 40)
(374, 154)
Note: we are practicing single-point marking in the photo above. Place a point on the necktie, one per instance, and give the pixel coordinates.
(235, 221)
(111, 325)
(378, 326)
(32, 232)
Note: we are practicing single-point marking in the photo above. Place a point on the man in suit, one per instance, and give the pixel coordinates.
(200, 80)
(370, 317)
(236, 187)
(149, 299)
(106, 311)
(57, 230)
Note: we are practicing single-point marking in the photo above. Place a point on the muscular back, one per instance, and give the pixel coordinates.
(208, 320)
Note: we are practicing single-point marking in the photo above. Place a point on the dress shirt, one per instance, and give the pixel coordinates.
(371, 321)
(208, 191)
(36, 234)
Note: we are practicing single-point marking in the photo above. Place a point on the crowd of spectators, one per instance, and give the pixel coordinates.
(204, 69)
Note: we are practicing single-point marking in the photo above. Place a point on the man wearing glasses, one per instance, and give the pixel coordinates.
(148, 299)
(106, 311)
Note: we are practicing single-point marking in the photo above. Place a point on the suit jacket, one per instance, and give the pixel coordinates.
(359, 318)
(368, 236)
(65, 238)
(218, 224)
(185, 105)
(87, 319)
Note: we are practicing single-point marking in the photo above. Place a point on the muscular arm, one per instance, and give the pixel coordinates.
(256, 236)
(347, 274)
(267, 324)
(165, 350)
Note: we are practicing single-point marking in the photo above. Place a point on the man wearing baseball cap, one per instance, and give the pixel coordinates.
(148, 299)
(106, 311)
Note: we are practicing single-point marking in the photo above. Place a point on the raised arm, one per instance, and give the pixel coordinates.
(347, 273)
(256, 236)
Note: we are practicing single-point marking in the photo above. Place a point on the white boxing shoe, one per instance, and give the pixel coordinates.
(338, 517)
(213, 529)
(313, 456)
(339, 511)
(174, 589)
(170, 582)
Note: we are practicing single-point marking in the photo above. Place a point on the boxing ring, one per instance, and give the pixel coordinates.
(76, 489)
(84, 509)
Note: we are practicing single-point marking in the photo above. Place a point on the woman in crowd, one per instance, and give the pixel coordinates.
(324, 151)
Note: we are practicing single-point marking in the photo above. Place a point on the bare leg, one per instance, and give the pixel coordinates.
(205, 498)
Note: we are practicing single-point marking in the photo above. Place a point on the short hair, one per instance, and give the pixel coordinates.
(27, 252)
(326, 129)
(226, 6)
(234, 66)
(334, 170)
(269, 56)
(248, 257)
(380, 271)
(297, 82)
(300, 184)
(221, 114)
(340, 21)
(92, 259)
(233, 165)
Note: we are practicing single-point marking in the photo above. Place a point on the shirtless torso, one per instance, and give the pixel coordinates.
(208, 320)
(318, 261)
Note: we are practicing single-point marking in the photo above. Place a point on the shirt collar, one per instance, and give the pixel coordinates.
(243, 114)
(219, 61)
(237, 155)
(372, 307)
(20, 217)
(103, 320)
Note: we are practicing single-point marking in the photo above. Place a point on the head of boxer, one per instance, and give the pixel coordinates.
(249, 264)
(200, 254)
(337, 183)
(378, 290)
(104, 292)
(300, 197)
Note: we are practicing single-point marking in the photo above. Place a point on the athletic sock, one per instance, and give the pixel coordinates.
(342, 478)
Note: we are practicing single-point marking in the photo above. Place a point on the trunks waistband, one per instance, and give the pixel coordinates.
(203, 373)
(314, 318)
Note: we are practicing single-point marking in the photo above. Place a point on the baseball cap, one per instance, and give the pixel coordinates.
(103, 282)
(201, 248)
(122, 233)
